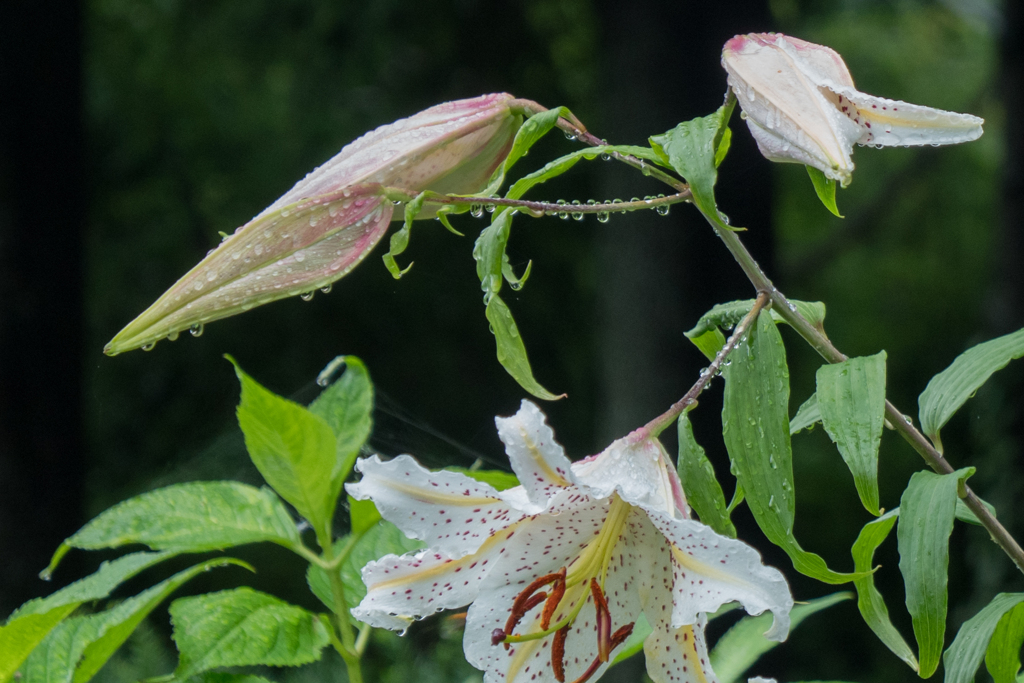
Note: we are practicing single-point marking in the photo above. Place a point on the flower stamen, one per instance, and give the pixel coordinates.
(557, 593)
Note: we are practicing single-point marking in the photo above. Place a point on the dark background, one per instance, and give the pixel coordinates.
(132, 132)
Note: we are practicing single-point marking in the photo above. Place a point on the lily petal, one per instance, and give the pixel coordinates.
(422, 583)
(678, 654)
(711, 570)
(448, 511)
(637, 468)
(537, 459)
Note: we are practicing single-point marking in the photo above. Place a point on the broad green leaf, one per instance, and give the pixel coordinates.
(755, 426)
(744, 643)
(79, 647)
(825, 188)
(703, 492)
(32, 622)
(512, 351)
(869, 601)
(194, 517)
(294, 450)
(851, 399)
(498, 479)
(1002, 658)
(243, 627)
(965, 514)
(400, 239)
(951, 388)
(730, 314)
(489, 251)
(709, 342)
(964, 656)
(807, 415)
(382, 539)
(723, 146)
(225, 677)
(363, 514)
(926, 521)
(693, 149)
(347, 407)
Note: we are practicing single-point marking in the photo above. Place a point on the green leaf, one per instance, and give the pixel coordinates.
(869, 601)
(347, 407)
(489, 251)
(851, 399)
(400, 239)
(755, 426)
(806, 416)
(825, 188)
(243, 627)
(497, 478)
(723, 146)
(926, 521)
(194, 517)
(562, 164)
(382, 539)
(225, 677)
(963, 657)
(78, 648)
(294, 450)
(363, 514)
(709, 342)
(965, 514)
(730, 314)
(512, 351)
(951, 388)
(703, 491)
(693, 149)
(1002, 658)
(744, 643)
(32, 622)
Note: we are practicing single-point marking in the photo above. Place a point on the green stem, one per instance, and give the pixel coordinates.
(347, 647)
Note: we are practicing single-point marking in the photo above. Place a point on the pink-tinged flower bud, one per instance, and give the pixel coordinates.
(801, 106)
(325, 225)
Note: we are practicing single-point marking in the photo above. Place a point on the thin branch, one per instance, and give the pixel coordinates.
(658, 424)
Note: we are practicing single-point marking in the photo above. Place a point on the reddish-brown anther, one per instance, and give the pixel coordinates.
(604, 622)
(557, 592)
(558, 653)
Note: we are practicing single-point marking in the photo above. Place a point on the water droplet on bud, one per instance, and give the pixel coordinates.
(196, 330)
(326, 289)
(307, 296)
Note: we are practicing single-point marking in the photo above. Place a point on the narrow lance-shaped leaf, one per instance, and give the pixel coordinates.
(243, 627)
(851, 399)
(869, 601)
(31, 622)
(755, 423)
(964, 656)
(703, 492)
(729, 314)
(78, 648)
(807, 415)
(951, 388)
(194, 517)
(744, 643)
(294, 450)
(347, 407)
(692, 150)
(1002, 658)
(927, 509)
(400, 238)
(511, 350)
(825, 188)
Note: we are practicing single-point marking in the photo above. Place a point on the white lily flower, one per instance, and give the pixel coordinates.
(559, 568)
(801, 106)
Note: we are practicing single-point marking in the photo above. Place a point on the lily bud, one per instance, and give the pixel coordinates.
(801, 106)
(330, 220)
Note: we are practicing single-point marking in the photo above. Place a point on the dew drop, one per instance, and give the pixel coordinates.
(307, 296)
(149, 347)
(564, 215)
(476, 211)
(603, 217)
(326, 289)
(569, 136)
(173, 336)
(662, 210)
(196, 330)
(577, 215)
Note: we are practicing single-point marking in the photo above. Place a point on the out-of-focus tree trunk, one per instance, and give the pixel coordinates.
(41, 218)
(658, 275)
